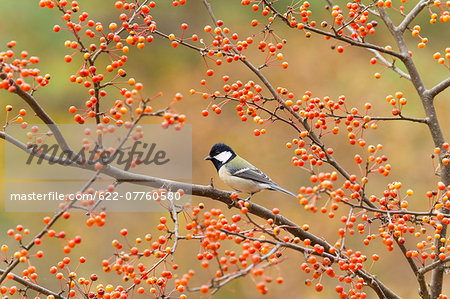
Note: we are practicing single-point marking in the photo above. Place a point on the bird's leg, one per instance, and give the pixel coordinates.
(249, 197)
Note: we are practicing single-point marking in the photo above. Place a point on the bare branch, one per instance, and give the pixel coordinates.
(174, 216)
(400, 117)
(433, 92)
(379, 288)
(423, 289)
(413, 14)
(433, 265)
(387, 21)
(33, 286)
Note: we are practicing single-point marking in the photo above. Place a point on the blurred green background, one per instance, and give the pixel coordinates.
(312, 66)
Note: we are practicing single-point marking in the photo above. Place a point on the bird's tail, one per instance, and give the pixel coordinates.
(278, 188)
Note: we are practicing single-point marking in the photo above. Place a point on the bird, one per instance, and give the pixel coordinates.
(239, 174)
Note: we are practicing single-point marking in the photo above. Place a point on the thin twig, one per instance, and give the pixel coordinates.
(433, 265)
(440, 87)
(33, 286)
(412, 14)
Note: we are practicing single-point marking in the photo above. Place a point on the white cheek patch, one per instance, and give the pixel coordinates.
(223, 156)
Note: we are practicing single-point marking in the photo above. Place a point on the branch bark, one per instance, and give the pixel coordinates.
(443, 85)
(33, 286)
(423, 289)
(413, 14)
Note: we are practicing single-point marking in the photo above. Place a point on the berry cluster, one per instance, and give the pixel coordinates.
(17, 69)
(110, 41)
(16, 119)
(215, 232)
(441, 60)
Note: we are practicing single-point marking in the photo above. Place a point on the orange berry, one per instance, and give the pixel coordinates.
(204, 289)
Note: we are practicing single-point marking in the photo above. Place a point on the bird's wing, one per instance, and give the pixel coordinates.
(253, 174)
(259, 176)
(240, 168)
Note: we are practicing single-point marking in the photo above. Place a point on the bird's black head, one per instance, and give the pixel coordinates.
(220, 154)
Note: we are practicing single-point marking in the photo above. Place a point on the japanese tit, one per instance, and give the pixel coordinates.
(238, 173)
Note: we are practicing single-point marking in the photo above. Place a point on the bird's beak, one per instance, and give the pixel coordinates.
(208, 158)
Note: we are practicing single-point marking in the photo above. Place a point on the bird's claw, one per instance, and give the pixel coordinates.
(249, 197)
(231, 204)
